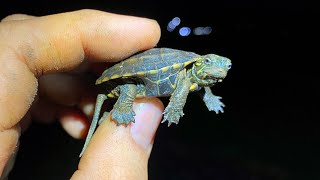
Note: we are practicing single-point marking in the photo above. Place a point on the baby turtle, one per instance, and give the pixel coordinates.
(160, 72)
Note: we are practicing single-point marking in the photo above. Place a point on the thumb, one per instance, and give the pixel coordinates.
(120, 152)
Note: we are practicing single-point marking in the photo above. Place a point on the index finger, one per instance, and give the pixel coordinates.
(62, 41)
(56, 43)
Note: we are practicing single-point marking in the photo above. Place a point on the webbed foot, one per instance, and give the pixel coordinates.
(172, 115)
(214, 103)
(123, 115)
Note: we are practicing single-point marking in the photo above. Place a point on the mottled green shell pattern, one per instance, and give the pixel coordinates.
(160, 62)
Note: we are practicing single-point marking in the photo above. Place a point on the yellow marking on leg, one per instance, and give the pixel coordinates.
(193, 87)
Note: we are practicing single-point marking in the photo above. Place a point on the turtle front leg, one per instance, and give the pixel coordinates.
(122, 110)
(212, 101)
(174, 110)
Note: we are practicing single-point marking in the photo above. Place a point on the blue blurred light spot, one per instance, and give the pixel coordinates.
(198, 31)
(202, 30)
(184, 31)
(171, 26)
(207, 30)
(176, 21)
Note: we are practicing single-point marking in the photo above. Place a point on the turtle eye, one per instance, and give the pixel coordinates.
(229, 66)
(207, 61)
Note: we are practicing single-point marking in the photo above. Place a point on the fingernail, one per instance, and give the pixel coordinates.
(74, 124)
(87, 106)
(147, 119)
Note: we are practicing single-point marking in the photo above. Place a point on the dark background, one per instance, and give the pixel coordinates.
(270, 127)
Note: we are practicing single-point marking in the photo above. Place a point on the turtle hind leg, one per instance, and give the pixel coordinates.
(100, 99)
(122, 111)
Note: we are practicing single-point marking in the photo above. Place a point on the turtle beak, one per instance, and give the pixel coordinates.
(214, 79)
(216, 75)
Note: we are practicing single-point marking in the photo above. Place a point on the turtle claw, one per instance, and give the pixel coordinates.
(172, 115)
(123, 116)
(215, 104)
(218, 109)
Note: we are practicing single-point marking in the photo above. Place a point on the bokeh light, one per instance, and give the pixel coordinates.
(176, 21)
(173, 24)
(184, 31)
(202, 30)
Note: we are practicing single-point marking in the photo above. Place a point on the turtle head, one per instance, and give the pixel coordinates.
(210, 69)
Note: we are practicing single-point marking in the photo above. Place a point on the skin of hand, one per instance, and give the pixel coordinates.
(43, 61)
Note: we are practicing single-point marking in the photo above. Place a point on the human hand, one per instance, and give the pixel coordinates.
(33, 47)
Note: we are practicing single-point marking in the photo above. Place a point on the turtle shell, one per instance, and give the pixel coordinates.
(156, 64)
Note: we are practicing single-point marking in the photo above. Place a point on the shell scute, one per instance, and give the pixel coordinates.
(150, 62)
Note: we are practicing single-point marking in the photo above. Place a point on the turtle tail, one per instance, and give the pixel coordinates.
(100, 99)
